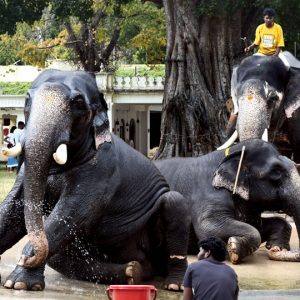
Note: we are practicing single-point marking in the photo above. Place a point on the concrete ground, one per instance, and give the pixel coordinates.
(259, 278)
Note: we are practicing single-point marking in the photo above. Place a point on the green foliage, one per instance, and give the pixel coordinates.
(142, 33)
(8, 50)
(82, 9)
(14, 88)
(13, 11)
(141, 70)
(144, 36)
(220, 7)
(7, 180)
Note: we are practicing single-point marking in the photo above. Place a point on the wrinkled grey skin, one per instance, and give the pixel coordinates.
(267, 182)
(108, 211)
(292, 112)
(262, 87)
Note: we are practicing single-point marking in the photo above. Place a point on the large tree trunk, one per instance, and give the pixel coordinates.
(201, 52)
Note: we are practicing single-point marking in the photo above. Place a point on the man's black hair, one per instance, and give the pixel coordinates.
(216, 246)
(269, 12)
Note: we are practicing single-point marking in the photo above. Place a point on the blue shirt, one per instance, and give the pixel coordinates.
(211, 279)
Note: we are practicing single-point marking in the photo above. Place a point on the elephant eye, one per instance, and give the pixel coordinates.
(276, 173)
(27, 103)
(27, 99)
(78, 103)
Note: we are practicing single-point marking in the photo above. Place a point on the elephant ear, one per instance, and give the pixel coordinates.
(226, 173)
(101, 123)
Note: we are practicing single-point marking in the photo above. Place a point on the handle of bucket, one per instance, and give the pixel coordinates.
(108, 293)
(154, 291)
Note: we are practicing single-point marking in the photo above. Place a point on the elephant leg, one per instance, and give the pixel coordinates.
(82, 264)
(276, 232)
(12, 224)
(80, 261)
(242, 238)
(294, 135)
(176, 224)
(26, 279)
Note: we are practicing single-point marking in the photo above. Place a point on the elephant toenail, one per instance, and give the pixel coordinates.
(20, 286)
(8, 284)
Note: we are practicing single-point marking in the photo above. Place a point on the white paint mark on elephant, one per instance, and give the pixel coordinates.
(280, 95)
(266, 88)
(220, 181)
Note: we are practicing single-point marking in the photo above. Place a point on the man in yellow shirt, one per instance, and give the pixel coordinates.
(269, 40)
(268, 36)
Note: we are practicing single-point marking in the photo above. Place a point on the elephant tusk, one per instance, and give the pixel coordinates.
(265, 135)
(230, 141)
(12, 152)
(60, 156)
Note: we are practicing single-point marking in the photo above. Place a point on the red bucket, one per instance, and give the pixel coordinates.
(131, 292)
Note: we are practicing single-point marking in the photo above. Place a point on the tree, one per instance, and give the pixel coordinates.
(8, 52)
(102, 24)
(14, 11)
(203, 44)
(144, 36)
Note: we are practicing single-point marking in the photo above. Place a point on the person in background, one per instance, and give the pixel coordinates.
(9, 139)
(12, 162)
(18, 137)
(19, 131)
(209, 278)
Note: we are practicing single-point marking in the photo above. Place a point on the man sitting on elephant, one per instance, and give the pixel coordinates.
(109, 214)
(265, 97)
(268, 36)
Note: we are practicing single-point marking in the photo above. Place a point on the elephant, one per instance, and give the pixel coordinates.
(265, 93)
(267, 181)
(95, 209)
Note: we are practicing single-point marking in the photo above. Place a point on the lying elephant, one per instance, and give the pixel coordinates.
(267, 182)
(265, 93)
(109, 212)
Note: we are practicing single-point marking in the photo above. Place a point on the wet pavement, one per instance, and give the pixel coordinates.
(259, 278)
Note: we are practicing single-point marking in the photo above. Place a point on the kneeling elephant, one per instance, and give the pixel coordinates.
(267, 182)
(108, 213)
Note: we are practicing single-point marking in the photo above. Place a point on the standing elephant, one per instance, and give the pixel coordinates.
(108, 212)
(264, 91)
(267, 182)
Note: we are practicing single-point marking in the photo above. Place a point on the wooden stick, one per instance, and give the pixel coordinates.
(238, 171)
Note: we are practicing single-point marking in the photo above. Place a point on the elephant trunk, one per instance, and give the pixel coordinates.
(36, 170)
(44, 135)
(294, 201)
(250, 123)
(293, 209)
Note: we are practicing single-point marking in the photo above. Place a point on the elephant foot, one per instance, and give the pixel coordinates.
(26, 279)
(232, 248)
(133, 272)
(276, 253)
(177, 267)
